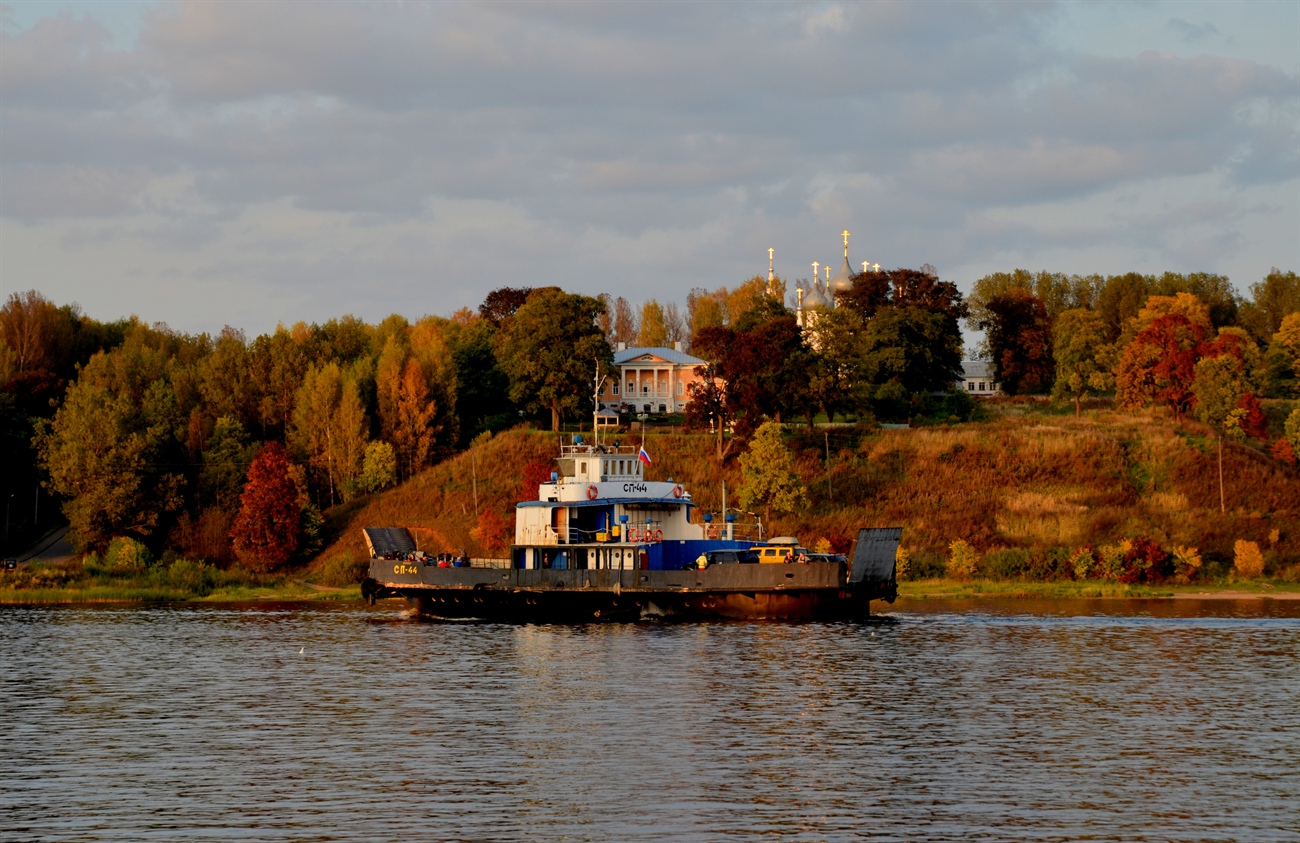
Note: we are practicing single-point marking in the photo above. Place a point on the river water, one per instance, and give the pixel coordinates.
(971, 720)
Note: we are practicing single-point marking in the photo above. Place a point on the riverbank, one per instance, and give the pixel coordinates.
(937, 589)
(279, 592)
(1091, 589)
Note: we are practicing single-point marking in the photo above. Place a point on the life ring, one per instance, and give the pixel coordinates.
(592, 493)
(632, 534)
(677, 490)
(659, 535)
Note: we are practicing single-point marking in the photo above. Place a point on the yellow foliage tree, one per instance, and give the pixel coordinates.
(1247, 559)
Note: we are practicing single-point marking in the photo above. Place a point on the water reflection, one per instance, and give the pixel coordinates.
(1009, 720)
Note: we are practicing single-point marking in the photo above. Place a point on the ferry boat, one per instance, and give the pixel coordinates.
(603, 543)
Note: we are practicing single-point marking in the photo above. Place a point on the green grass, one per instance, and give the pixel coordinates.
(947, 588)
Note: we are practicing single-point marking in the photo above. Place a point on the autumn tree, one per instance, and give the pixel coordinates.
(1224, 402)
(277, 364)
(412, 430)
(674, 324)
(378, 467)
(225, 379)
(1282, 360)
(1272, 301)
(329, 429)
(1120, 299)
(625, 327)
(1159, 365)
(768, 475)
(105, 464)
(703, 310)
(503, 303)
(265, 533)
(1057, 292)
(492, 532)
(1019, 342)
(758, 366)
(1079, 342)
(653, 331)
(709, 406)
(549, 349)
(1214, 292)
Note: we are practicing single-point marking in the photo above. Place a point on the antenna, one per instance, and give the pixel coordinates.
(595, 414)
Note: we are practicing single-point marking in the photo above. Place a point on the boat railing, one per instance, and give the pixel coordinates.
(588, 448)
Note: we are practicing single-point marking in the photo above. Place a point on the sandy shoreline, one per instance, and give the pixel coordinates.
(1233, 595)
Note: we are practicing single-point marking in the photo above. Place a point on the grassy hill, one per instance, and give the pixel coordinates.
(1033, 482)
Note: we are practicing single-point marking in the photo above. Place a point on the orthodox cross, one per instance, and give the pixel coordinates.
(815, 265)
(845, 235)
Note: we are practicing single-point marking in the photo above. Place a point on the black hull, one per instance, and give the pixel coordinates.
(725, 592)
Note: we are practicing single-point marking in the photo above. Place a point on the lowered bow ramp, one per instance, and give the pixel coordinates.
(875, 555)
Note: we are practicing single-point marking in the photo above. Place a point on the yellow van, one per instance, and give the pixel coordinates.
(779, 550)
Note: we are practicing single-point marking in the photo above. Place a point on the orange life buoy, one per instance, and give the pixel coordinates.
(592, 493)
(632, 534)
(659, 535)
(677, 490)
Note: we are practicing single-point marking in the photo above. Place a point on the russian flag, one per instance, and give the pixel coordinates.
(643, 456)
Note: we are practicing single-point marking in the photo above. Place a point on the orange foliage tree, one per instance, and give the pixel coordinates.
(492, 532)
(1159, 365)
(265, 533)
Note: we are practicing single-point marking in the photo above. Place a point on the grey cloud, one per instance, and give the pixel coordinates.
(586, 122)
(1191, 32)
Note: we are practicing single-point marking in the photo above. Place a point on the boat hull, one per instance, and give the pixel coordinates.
(815, 591)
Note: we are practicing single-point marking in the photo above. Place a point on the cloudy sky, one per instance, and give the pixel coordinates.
(250, 163)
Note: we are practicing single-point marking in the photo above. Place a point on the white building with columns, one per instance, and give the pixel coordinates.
(651, 380)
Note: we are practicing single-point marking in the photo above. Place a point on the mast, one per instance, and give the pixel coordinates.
(595, 413)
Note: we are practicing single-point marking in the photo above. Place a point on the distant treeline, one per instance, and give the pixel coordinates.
(136, 429)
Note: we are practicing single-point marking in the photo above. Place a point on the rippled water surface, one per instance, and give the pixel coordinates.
(961, 721)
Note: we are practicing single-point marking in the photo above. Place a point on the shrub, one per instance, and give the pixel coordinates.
(1007, 563)
(1082, 562)
(127, 556)
(1247, 559)
(1187, 562)
(1110, 560)
(1144, 562)
(1053, 563)
(190, 576)
(902, 562)
(926, 566)
(962, 560)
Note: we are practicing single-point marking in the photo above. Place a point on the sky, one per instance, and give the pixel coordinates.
(249, 164)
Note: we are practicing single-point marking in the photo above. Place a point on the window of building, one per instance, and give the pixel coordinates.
(616, 387)
(681, 388)
(981, 386)
(645, 389)
(970, 385)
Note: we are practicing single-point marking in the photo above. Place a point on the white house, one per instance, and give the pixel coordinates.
(977, 379)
